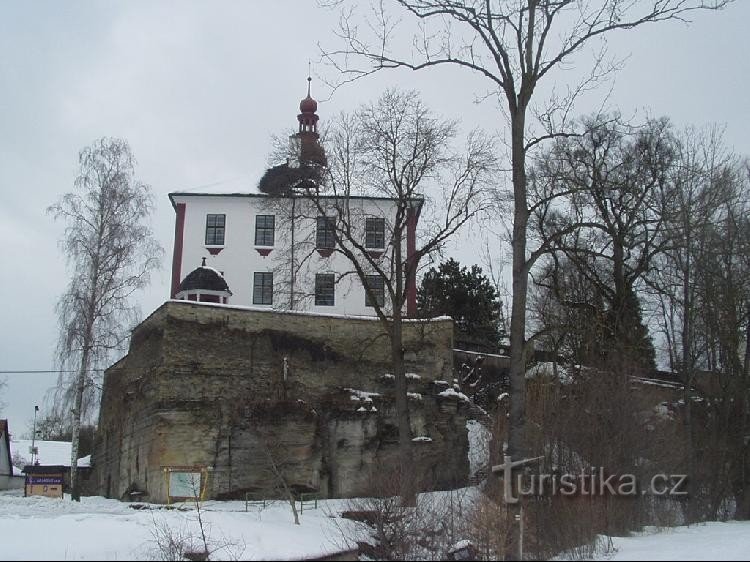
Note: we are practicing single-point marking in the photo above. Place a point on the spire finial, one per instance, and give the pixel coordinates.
(309, 79)
(204, 263)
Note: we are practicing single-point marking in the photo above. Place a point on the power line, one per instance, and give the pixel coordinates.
(39, 371)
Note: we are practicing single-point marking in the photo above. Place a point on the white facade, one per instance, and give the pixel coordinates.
(294, 265)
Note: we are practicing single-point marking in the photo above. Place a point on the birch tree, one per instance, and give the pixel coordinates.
(111, 251)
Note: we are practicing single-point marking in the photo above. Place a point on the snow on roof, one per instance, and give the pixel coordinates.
(466, 351)
(51, 453)
(301, 312)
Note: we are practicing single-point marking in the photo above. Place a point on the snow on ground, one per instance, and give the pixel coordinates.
(39, 528)
(479, 440)
(709, 541)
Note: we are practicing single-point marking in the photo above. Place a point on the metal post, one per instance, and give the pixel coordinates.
(520, 531)
(33, 436)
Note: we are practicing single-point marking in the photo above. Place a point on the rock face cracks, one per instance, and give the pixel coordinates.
(251, 398)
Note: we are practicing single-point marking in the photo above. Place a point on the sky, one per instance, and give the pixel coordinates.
(198, 88)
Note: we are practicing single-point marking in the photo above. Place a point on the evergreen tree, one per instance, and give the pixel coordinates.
(469, 298)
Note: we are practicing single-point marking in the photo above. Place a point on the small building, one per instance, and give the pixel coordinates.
(45, 480)
(10, 476)
(52, 458)
(204, 284)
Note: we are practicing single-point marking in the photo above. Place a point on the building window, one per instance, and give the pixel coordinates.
(377, 288)
(326, 233)
(264, 228)
(215, 230)
(263, 288)
(324, 289)
(375, 233)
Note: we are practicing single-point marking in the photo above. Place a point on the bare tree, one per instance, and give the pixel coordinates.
(111, 252)
(397, 153)
(699, 195)
(514, 45)
(619, 195)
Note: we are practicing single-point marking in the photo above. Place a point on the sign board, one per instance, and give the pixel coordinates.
(44, 484)
(184, 484)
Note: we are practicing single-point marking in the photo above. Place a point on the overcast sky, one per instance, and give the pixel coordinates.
(198, 88)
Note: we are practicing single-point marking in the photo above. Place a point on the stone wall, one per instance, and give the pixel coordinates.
(239, 392)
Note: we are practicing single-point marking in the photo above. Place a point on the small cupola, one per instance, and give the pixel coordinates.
(204, 284)
(308, 119)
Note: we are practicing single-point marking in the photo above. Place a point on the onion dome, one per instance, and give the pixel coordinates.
(204, 284)
(308, 119)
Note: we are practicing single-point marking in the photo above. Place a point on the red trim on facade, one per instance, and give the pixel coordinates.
(325, 252)
(263, 251)
(214, 251)
(411, 250)
(376, 255)
(179, 230)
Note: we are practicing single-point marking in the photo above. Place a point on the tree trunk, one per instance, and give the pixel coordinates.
(687, 376)
(516, 424)
(75, 492)
(516, 427)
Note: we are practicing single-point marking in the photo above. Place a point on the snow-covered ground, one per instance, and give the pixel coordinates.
(709, 541)
(39, 528)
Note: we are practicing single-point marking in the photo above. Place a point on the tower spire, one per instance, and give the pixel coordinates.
(308, 119)
(309, 79)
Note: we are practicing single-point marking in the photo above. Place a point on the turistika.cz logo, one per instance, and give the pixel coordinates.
(591, 482)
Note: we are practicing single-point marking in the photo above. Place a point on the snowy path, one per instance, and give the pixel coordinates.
(710, 541)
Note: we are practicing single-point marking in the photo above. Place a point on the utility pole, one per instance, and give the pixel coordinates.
(34, 451)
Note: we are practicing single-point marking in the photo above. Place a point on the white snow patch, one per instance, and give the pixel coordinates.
(39, 528)
(216, 271)
(422, 439)
(460, 545)
(479, 445)
(452, 393)
(414, 395)
(413, 376)
(361, 395)
(709, 541)
(304, 312)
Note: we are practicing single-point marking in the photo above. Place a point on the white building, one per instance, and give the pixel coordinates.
(10, 476)
(275, 248)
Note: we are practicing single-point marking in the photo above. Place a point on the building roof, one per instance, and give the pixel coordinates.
(204, 278)
(51, 453)
(416, 201)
